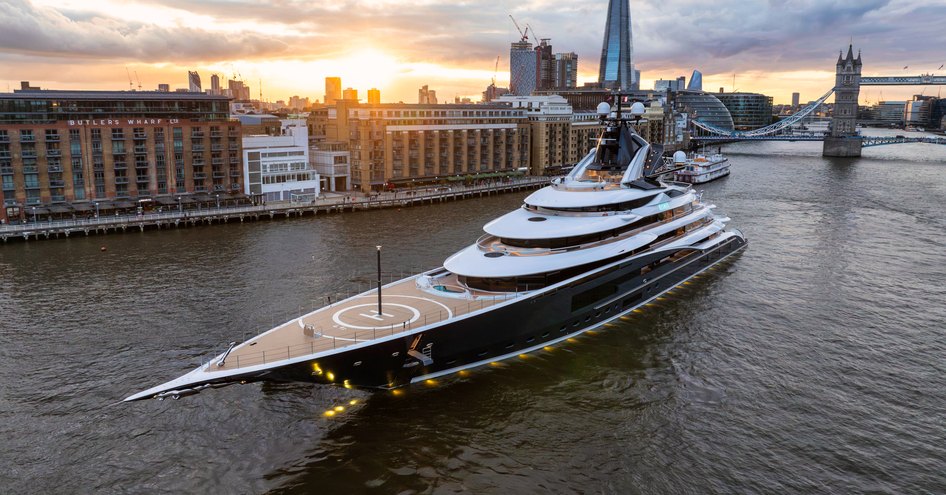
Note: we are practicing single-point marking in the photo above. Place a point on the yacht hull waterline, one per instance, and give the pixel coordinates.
(607, 239)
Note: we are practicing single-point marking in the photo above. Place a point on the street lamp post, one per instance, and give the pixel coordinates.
(218, 201)
(180, 206)
(96, 209)
(379, 281)
(34, 219)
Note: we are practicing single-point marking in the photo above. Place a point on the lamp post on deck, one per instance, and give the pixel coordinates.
(379, 280)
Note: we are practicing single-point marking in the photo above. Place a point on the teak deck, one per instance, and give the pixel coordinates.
(354, 320)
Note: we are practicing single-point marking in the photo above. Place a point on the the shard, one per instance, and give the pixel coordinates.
(617, 51)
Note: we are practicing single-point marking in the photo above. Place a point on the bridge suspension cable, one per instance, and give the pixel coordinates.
(767, 130)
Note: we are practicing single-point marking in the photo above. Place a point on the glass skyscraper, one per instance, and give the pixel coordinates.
(617, 55)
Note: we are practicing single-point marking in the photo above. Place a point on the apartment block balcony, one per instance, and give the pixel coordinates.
(5, 138)
(141, 165)
(57, 183)
(235, 173)
(139, 136)
(200, 188)
(234, 160)
(141, 150)
(54, 168)
(27, 138)
(5, 154)
(121, 180)
(159, 147)
(197, 134)
(142, 179)
(120, 166)
(200, 176)
(217, 161)
(6, 170)
(197, 147)
(52, 138)
(29, 154)
(216, 134)
(219, 175)
(54, 152)
(235, 186)
(216, 147)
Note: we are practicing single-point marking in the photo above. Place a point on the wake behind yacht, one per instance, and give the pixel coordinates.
(585, 250)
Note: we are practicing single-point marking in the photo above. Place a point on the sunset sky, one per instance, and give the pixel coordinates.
(772, 46)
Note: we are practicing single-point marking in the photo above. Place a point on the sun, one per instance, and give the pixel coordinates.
(367, 68)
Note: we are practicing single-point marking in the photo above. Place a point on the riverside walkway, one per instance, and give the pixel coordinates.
(206, 216)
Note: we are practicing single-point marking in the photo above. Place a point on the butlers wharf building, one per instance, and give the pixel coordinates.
(84, 153)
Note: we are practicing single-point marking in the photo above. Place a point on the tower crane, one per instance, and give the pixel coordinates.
(524, 34)
(130, 85)
(138, 79)
(495, 70)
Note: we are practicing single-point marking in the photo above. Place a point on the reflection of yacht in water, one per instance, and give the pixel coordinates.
(586, 249)
(699, 168)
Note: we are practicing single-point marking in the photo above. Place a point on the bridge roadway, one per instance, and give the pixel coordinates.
(867, 141)
(111, 224)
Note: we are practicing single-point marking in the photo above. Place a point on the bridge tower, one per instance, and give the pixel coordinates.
(844, 140)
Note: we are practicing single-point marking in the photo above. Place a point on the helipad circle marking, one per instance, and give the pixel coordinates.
(415, 315)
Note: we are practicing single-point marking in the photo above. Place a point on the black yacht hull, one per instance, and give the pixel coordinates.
(506, 330)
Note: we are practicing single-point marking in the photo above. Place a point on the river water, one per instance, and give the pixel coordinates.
(815, 361)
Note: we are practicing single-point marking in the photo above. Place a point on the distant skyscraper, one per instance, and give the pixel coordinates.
(333, 89)
(696, 81)
(164, 88)
(215, 85)
(426, 96)
(350, 94)
(546, 65)
(796, 99)
(374, 96)
(193, 81)
(238, 90)
(523, 68)
(617, 52)
(565, 71)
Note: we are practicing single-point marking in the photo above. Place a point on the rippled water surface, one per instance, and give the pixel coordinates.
(815, 361)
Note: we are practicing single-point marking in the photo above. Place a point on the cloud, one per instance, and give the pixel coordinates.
(25, 28)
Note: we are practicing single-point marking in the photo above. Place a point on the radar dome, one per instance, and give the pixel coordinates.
(637, 109)
(604, 108)
(679, 157)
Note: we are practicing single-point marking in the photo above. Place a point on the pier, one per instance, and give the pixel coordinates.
(180, 218)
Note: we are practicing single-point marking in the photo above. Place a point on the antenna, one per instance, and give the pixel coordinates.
(130, 85)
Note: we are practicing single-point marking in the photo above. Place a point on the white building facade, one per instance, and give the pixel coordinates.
(276, 168)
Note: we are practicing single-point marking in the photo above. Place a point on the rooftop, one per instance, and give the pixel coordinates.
(34, 94)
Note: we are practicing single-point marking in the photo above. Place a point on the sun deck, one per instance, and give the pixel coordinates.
(405, 307)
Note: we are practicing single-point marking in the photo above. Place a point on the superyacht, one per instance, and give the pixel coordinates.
(590, 247)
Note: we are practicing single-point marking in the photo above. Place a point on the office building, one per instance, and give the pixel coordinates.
(704, 107)
(696, 81)
(193, 82)
(559, 136)
(545, 64)
(277, 168)
(796, 100)
(331, 161)
(748, 110)
(75, 152)
(374, 96)
(426, 96)
(350, 94)
(523, 68)
(215, 85)
(664, 85)
(164, 88)
(565, 68)
(617, 52)
(402, 145)
(238, 90)
(333, 90)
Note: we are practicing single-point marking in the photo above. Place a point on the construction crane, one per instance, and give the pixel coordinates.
(495, 70)
(534, 36)
(138, 79)
(130, 85)
(524, 34)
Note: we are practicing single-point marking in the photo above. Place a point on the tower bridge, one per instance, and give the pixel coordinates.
(842, 138)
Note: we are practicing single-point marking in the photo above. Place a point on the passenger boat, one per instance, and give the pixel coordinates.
(590, 247)
(699, 168)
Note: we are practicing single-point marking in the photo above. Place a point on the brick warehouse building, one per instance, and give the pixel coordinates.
(82, 152)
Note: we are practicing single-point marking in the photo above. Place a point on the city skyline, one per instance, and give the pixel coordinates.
(775, 47)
